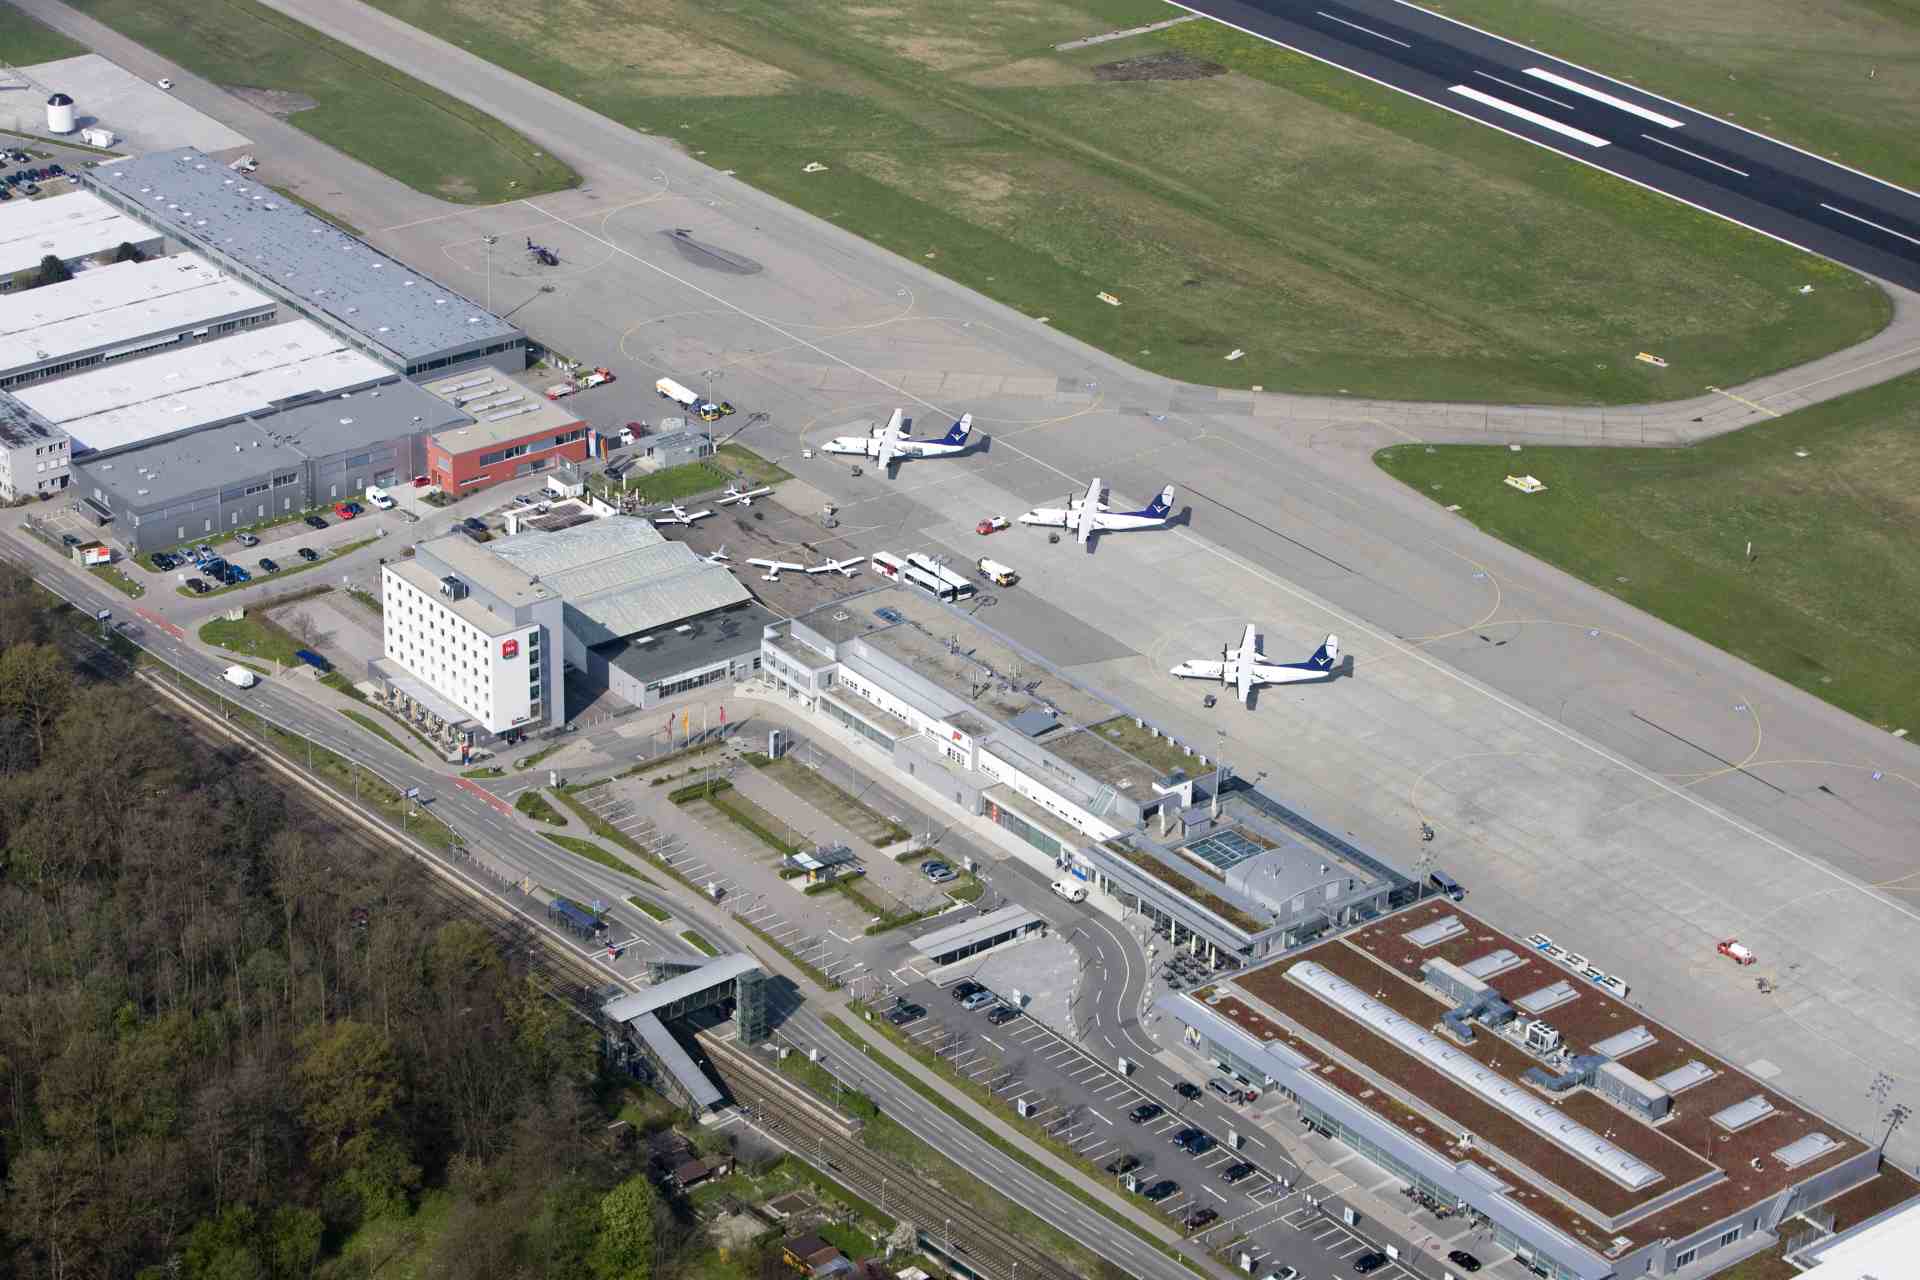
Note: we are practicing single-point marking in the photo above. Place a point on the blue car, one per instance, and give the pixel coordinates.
(313, 660)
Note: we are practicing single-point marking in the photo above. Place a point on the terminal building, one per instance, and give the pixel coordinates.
(618, 606)
(1223, 870)
(1494, 1081)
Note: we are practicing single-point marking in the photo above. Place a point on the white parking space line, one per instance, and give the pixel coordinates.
(1696, 155)
(1357, 27)
(1876, 226)
(1600, 95)
(1531, 117)
(1097, 1116)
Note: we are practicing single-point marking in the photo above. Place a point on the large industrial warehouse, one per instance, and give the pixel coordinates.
(71, 228)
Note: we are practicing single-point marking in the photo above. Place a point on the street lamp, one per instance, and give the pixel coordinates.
(490, 241)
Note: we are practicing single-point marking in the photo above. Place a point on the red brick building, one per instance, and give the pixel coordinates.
(515, 433)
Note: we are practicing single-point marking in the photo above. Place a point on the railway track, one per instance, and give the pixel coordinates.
(948, 1225)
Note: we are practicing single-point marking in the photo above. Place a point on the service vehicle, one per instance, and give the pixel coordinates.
(993, 524)
(240, 677)
(1000, 575)
(380, 497)
(1071, 890)
(1736, 951)
(560, 390)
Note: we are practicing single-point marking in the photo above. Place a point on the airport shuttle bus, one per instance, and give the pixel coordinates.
(922, 572)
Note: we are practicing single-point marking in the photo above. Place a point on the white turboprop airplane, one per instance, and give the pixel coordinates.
(774, 568)
(1089, 515)
(719, 557)
(680, 515)
(744, 497)
(845, 568)
(1246, 668)
(888, 444)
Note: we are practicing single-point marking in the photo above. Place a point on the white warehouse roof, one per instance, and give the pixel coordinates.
(27, 219)
(123, 329)
(71, 241)
(103, 289)
(139, 400)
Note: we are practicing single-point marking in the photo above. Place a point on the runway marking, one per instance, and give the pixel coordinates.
(1696, 155)
(1601, 95)
(1751, 404)
(1357, 27)
(1531, 117)
(1565, 106)
(1869, 222)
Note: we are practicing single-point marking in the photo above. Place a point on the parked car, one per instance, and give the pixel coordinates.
(1463, 1260)
(246, 539)
(903, 1014)
(1146, 1111)
(978, 1000)
(354, 508)
(1122, 1163)
(1199, 1218)
(963, 990)
(1001, 1015)
(1187, 1089)
(1161, 1190)
(313, 660)
(1284, 1273)
(1200, 1146)
(163, 562)
(1368, 1263)
(268, 565)
(938, 872)
(316, 522)
(1228, 1090)
(1237, 1172)
(343, 510)
(474, 523)
(198, 587)
(309, 554)
(69, 540)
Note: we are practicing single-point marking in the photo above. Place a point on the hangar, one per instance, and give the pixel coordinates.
(71, 227)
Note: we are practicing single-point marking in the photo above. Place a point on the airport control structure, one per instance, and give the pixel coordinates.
(1224, 871)
(1500, 1081)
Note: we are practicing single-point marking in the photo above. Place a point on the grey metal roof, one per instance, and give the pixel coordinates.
(1743, 1113)
(661, 994)
(621, 578)
(724, 634)
(678, 1062)
(1467, 1071)
(392, 306)
(22, 425)
(979, 929)
(543, 554)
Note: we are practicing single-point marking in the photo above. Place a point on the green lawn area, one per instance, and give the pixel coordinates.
(1345, 237)
(254, 636)
(1159, 753)
(742, 462)
(652, 909)
(691, 479)
(27, 42)
(378, 730)
(484, 771)
(698, 943)
(537, 807)
(835, 802)
(1830, 601)
(444, 148)
(116, 577)
(1839, 86)
(594, 853)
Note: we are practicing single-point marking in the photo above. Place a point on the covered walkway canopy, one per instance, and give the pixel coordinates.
(970, 937)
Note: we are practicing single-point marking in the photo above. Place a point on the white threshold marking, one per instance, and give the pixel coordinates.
(1601, 95)
(1876, 226)
(1565, 106)
(1532, 117)
(1357, 27)
(1696, 155)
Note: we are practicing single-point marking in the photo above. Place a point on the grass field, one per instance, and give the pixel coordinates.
(26, 42)
(1830, 601)
(1842, 85)
(1345, 237)
(446, 149)
(254, 636)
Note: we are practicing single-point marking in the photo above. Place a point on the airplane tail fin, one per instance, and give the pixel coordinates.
(1160, 505)
(1327, 654)
(957, 433)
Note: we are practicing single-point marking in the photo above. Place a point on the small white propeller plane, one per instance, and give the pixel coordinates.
(888, 444)
(1246, 668)
(744, 497)
(1088, 515)
(774, 568)
(845, 568)
(719, 557)
(681, 516)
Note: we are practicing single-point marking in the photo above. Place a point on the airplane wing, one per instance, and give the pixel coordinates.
(1246, 649)
(1245, 670)
(779, 565)
(889, 447)
(896, 427)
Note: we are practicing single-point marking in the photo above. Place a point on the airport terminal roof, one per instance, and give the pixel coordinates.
(72, 241)
(692, 641)
(138, 400)
(122, 284)
(169, 470)
(119, 330)
(620, 575)
(21, 426)
(389, 304)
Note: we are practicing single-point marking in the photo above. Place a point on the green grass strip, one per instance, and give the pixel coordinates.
(535, 806)
(698, 943)
(594, 853)
(651, 908)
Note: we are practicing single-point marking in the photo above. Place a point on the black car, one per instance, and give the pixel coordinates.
(1199, 1218)
(198, 587)
(1368, 1263)
(1181, 1137)
(1001, 1015)
(69, 540)
(1463, 1260)
(1237, 1173)
(1200, 1145)
(962, 990)
(474, 523)
(1146, 1111)
(315, 522)
(309, 554)
(1122, 1163)
(162, 561)
(903, 1014)
(1187, 1089)
(1161, 1190)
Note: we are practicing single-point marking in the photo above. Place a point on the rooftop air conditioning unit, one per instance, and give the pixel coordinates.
(452, 588)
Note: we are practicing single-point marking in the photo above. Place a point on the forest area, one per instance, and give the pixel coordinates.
(237, 1039)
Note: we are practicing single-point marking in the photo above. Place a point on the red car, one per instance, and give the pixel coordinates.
(343, 510)
(992, 525)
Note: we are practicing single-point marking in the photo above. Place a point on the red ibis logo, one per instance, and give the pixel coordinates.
(956, 735)
(509, 648)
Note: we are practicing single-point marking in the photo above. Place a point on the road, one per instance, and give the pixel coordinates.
(1790, 194)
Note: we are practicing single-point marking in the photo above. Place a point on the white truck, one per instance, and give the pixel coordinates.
(705, 410)
(380, 497)
(239, 677)
(1000, 575)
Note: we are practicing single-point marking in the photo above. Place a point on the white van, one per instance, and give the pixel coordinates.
(240, 677)
(379, 497)
(1071, 890)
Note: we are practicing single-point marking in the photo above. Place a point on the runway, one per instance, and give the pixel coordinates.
(1711, 164)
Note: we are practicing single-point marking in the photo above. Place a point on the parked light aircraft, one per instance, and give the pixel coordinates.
(719, 557)
(888, 444)
(1089, 515)
(744, 497)
(680, 515)
(845, 568)
(1246, 668)
(774, 568)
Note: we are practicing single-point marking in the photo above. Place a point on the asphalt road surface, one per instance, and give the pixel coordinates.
(1770, 186)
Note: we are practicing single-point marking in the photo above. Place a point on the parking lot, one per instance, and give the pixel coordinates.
(1089, 1105)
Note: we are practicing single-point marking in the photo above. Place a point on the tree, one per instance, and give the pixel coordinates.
(52, 271)
(349, 1081)
(551, 1041)
(127, 253)
(35, 686)
(293, 1242)
(307, 630)
(623, 1248)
